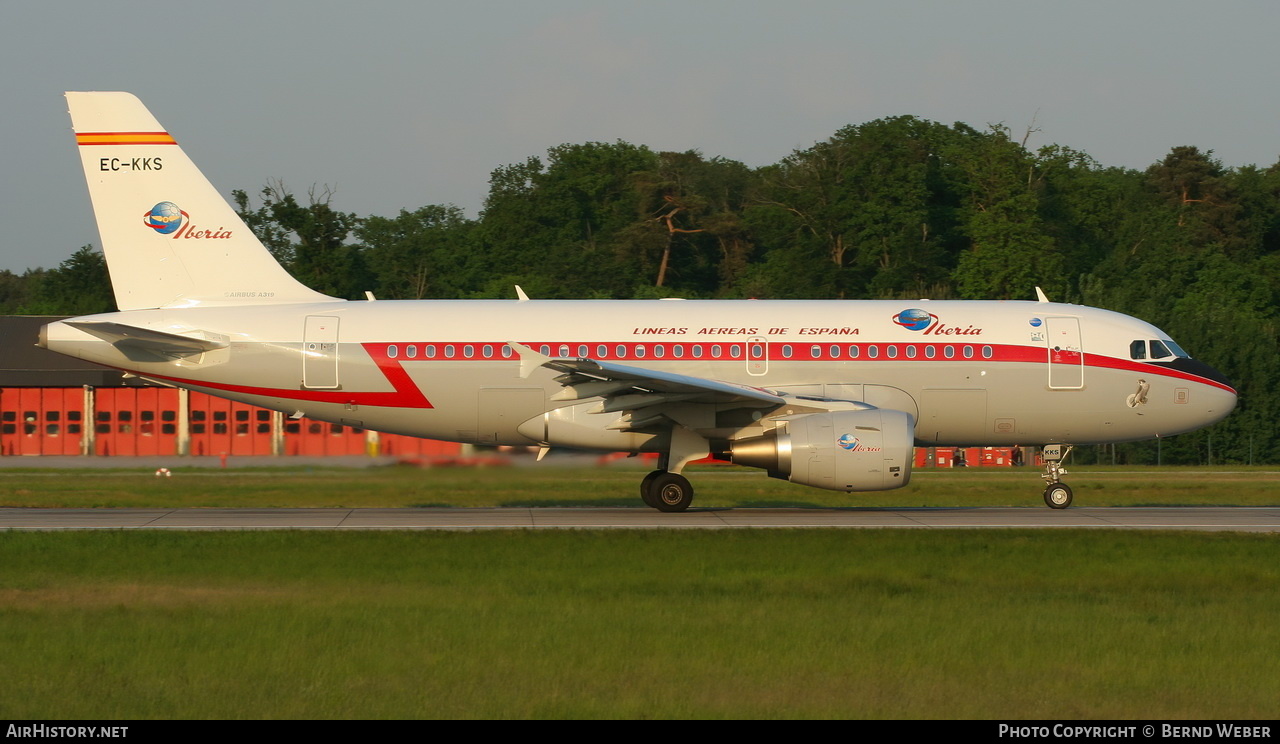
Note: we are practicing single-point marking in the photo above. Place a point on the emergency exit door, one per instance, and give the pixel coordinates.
(320, 352)
(757, 356)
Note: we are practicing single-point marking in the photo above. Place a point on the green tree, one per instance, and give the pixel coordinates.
(869, 212)
(310, 240)
(17, 291)
(79, 286)
(419, 254)
(558, 224)
(1011, 250)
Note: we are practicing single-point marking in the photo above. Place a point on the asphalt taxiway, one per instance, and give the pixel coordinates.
(1237, 519)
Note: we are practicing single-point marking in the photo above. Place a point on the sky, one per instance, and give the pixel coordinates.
(400, 104)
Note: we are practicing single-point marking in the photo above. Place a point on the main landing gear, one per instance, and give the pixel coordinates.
(666, 491)
(1057, 495)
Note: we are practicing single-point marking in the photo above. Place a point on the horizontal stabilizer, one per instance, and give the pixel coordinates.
(159, 342)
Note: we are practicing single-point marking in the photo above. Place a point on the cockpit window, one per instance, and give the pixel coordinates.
(1160, 349)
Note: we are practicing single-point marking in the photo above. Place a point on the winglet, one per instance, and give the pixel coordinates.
(530, 360)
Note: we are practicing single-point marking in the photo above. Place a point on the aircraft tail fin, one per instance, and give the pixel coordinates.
(170, 239)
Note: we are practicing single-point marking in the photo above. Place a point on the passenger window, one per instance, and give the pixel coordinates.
(1138, 349)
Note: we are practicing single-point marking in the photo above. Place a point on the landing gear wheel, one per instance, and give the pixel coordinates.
(646, 489)
(669, 492)
(1057, 496)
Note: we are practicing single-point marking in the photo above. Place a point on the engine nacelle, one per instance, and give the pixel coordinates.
(867, 450)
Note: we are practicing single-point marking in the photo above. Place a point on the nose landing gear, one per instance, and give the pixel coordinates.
(1057, 495)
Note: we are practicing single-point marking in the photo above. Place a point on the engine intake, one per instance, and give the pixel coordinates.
(867, 450)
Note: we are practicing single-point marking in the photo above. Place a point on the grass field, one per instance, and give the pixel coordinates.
(757, 624)
(614, 486)
(1090, 624)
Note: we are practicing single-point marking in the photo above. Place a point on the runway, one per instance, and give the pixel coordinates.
(1237, 519)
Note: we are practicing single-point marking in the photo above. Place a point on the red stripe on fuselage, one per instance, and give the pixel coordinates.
(406, 393)
(644, 352)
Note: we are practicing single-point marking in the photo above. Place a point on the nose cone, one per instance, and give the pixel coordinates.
(1220, 403)
(1213, 398)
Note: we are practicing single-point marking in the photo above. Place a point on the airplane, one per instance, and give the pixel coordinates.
(831, 394)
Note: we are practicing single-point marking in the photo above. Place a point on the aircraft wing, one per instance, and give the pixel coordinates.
(662, 385)
(623, 387)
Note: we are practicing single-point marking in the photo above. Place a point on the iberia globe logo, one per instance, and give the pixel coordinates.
(853, 444)
(165, 218)
(915, 319)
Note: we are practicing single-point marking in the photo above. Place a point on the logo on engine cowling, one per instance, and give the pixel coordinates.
(853, 444)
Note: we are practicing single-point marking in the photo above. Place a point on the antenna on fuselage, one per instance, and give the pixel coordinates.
(1040, 296)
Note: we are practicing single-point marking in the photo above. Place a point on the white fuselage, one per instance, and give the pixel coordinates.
(968, 372)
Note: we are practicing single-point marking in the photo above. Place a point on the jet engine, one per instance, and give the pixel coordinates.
(868, 450)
